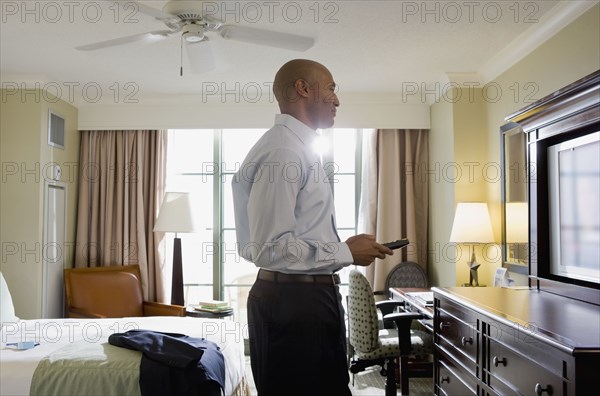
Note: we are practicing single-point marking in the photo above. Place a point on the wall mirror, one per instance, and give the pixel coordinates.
(515, 214)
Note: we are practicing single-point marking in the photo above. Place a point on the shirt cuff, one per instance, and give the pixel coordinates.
(345, 256)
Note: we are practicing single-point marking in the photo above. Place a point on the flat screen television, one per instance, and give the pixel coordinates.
(563, 188)
(574, 208)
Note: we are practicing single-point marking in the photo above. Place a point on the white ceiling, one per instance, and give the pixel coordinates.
(370, 46)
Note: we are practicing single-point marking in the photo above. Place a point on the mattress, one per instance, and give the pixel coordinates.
(18, 366)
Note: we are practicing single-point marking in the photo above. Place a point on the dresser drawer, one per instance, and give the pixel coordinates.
(520, 341)
(460, 332)
(453, 381)
(511, 370)
(456, 310)
(467, 360)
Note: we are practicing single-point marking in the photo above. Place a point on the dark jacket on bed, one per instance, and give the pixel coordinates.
(175, 364)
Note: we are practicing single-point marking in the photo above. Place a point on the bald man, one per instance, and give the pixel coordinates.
(285, 225)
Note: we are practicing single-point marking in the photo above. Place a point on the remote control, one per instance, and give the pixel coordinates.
(397, 244)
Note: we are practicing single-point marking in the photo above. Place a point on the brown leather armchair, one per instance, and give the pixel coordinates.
(110, 292)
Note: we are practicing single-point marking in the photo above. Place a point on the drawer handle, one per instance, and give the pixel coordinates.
(444, 325)
(498, 362)
(446, 379)
(466, 340)
(539, 390)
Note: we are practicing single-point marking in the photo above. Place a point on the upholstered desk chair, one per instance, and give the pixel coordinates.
(373, 346)
(404, 275)
(110, 292)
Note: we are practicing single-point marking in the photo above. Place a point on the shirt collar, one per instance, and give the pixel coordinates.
(305, 133)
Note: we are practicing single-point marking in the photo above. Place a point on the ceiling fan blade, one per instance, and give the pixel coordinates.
(156, 13)
(266, 37)
(149, 37)
(200, 56)
(132, 7)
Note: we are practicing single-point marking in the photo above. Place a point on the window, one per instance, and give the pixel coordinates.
(203, 161)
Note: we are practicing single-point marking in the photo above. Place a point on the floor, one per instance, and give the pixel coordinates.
(367, 383)
(371, 383)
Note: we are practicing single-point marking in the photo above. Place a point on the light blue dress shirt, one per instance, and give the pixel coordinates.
(283, 204)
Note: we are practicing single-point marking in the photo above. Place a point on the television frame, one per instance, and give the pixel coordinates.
(559, 265)
(568, 113)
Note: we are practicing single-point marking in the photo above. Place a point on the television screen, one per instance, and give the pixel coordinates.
(574, 198)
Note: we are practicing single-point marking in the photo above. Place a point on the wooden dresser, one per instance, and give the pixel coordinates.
(497, 341)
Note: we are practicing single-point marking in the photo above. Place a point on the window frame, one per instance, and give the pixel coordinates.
(221, 175)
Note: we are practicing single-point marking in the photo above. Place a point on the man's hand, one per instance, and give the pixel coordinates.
(364, 249)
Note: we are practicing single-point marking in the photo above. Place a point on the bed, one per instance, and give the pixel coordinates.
(80, 355)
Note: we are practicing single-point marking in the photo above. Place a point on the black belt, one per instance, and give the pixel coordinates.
(280, 277)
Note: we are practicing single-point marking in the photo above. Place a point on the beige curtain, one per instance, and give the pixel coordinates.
(394, 201)
(121, 186)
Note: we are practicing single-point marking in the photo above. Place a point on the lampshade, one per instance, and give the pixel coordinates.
(176, 214)
(472, 223)
(517, 222)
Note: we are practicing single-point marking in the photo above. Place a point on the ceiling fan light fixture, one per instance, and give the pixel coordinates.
(193, 33)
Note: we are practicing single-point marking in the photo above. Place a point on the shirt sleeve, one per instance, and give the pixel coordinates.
(272, 221)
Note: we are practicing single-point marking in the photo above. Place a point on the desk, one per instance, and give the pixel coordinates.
(413, 304)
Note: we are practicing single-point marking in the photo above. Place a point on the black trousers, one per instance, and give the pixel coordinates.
(297, 339)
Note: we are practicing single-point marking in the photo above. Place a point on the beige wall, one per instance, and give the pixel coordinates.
(460, 173)
(355, 111)
(476, 173)
(571, 54)
(26, 158)
(441, 267)
(20, 230)
(568, 56)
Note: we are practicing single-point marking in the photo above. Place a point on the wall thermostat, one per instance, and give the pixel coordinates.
(57, 173)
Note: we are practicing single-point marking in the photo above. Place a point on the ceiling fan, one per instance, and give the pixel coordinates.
(188, 19)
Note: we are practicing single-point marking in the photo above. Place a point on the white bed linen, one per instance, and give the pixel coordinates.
(17, 367)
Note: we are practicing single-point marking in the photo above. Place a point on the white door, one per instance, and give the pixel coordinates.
(54, 250)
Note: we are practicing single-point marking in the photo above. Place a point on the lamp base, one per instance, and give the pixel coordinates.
(473, 266)
(177, 276)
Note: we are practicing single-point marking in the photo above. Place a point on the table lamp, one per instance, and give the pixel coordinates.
(472, 225)
(176, 215)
